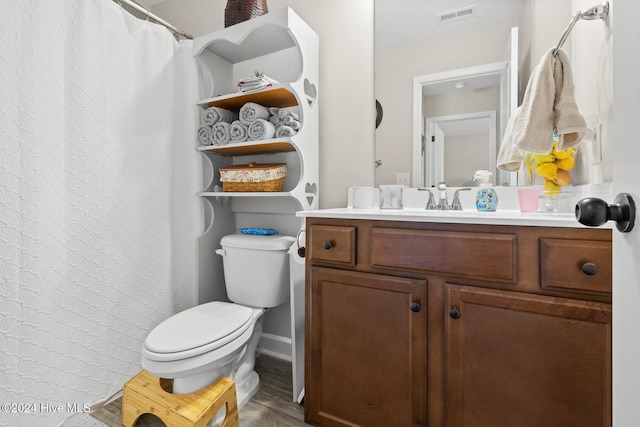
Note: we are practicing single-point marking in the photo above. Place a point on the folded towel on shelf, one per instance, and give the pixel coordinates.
(251, 112)
(221, 133)
(284, 131)
(213, 115)
(291, 122)
(261, 129)
(205, 136)
(238, 131)
(254, 83)
(284, 113)
(275, 120)
(549, 105)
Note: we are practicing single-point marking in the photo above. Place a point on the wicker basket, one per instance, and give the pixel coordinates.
(254, 177)
(242, 10)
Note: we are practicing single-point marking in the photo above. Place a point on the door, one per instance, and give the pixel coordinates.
(517, 359)
(433, 158)
(367, 350)
(508, 96)
(626, 247)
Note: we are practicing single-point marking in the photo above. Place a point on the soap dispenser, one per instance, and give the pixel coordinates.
(486, 198)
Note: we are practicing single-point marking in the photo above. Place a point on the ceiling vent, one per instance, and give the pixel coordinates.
(455, 15)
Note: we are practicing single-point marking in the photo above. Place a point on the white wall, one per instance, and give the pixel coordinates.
(345, 89)
(395, 69)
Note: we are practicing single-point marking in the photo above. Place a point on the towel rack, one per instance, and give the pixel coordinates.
(596, 12)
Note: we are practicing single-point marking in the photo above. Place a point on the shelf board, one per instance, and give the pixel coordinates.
(267, 146)
(243, 194)
(275, 96)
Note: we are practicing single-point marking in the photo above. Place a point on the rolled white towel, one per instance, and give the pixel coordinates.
(275, 120)
(284, 131)
(221, 133)
(274, 110)
(213, 115)
(291, 122)
(238, 131)
(205, 136)
(283, 113)
(261, 129)
(250, 112)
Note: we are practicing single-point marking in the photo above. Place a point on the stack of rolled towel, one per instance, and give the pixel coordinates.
(215, 128)
(254, 122)
(286, 121)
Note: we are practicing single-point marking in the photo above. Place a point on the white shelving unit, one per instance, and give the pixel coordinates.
(283, 47)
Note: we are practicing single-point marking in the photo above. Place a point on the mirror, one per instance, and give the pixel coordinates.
(427, 68)
(469, 144)
(415, 42)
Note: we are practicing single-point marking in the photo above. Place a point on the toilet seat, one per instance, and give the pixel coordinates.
(197, 330)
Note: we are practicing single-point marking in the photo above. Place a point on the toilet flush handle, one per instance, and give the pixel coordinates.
(221, 252)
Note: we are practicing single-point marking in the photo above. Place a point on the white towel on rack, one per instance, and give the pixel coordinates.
(205, 137)
(549, 104)
(213, 115)
(284, 131)
(221, 134)
(261, 129)
(238, 131)
(250, 112)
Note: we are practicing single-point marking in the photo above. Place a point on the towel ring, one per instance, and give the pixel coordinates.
(596, 12)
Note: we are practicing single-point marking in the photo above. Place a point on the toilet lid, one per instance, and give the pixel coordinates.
(203, 325)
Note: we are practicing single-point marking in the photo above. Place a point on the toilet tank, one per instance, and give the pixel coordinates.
(256, 268)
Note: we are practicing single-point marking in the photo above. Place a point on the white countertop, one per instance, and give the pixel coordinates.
(505, 217)
(508, 212)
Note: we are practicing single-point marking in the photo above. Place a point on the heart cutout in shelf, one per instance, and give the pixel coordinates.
(311, 191)
(311, 91)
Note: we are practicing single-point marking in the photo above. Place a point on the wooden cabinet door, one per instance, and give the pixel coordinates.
(516, 359)
(366, 347)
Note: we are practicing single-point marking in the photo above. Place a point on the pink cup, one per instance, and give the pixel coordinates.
(528, 198)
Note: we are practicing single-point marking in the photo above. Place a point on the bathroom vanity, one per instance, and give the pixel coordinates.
(414, 319)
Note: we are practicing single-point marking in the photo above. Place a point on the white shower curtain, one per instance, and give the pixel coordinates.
(86, 128)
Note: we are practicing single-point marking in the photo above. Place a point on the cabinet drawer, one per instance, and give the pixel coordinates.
(484, 256)
(575, 265)
(332, 243)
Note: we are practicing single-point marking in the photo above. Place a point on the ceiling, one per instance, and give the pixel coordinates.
(401, 22)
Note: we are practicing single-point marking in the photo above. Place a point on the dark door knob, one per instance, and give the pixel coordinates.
(454, 313)
(415, 307)
(327, 244)
(594, 212)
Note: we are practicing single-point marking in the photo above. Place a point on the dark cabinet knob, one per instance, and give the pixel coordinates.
(589, 268)
(415, 307)
(327, 244)
(594, 212)
(454, 313)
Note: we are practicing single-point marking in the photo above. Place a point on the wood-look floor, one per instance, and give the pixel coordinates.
(271, 406)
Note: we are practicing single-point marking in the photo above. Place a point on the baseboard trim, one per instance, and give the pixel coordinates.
(275, 346)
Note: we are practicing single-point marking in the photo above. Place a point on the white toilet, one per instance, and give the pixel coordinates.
(199, 345)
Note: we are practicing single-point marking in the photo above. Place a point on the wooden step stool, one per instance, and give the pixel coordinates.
(144, 394)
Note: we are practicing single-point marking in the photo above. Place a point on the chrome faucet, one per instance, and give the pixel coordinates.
(443, 202)
(431, 204)
(455, 204)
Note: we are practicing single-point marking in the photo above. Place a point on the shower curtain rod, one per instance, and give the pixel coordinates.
(156, 18)
(596, 12)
